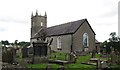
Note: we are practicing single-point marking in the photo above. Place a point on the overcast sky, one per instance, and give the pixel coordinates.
(15, 16)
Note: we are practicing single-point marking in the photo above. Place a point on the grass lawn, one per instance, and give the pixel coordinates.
(43, 66)
(61, 56)
(78, 64)
(57, 56)
(37, 65)
(115, 67)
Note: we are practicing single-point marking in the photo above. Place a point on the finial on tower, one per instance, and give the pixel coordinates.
(36, 13)
(45, 14)
(32, 14)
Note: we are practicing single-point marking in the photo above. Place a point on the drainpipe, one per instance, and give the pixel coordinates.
(71, 48)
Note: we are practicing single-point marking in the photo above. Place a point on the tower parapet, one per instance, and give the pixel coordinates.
(38, 22)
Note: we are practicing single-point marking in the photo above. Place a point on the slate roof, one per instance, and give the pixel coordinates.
(97, 42)
(66, 28)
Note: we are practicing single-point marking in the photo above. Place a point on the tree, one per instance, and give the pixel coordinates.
(3, 43)
(6, 42)
(24, 44)
(16, 42)
(115, 41)
(113, 36)
(105, 47)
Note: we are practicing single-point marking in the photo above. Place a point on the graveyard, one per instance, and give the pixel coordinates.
(57, 48)
(84, 62)
(41, 57)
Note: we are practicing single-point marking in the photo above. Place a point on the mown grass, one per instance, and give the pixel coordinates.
(78, 64)
(61, 56)
(57, 56)
(36, 65)
(115, 67)
(43, 66)
(83, 58)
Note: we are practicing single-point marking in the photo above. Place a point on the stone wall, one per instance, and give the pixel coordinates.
(78, 38)
(65, 43)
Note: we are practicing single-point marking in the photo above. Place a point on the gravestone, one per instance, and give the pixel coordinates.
(73, 57)
(40, 52)
(8, 56)
(24, 52)
(113, 55)
(14, 55)
(104, 65)
(30, 50)
(67, 57)
(0, 56)
(93, 53)
(40, 49)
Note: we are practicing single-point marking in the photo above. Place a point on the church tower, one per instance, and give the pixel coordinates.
(37, 22)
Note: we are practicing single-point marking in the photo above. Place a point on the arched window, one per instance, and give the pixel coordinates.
(41, 23)
(59, 43)
(33, 23)
(85, 40)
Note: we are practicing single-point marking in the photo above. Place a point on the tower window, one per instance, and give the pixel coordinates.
(33, 23)
(41, 23)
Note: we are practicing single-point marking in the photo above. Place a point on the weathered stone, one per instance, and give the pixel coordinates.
(93, 53)
(40, 52)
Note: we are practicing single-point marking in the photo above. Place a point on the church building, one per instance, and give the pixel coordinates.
(71, 36)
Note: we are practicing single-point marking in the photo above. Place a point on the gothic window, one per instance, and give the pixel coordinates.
(59, 43)
(85, 40)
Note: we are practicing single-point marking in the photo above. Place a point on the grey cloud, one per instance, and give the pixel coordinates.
(8, 19)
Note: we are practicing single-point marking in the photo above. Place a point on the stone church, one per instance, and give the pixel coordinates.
(72, 36)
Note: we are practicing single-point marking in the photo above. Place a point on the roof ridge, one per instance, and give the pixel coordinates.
(65, 23)
(66, 28)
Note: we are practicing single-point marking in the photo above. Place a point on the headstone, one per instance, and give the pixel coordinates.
(66, 56)
(14, 55)
(24, 52)
(73, 57)
(40, 49)
(97, 60)
(113, 55)
(40, 52)
(0, 56)
(8, 56)
(93, 54)
(104, 64)
(30, 50)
